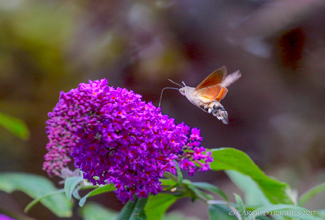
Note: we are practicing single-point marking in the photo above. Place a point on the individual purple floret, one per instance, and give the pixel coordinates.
(114, 137)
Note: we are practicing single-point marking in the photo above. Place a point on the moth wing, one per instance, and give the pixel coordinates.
(231, 78)
(213, 79)
(208, 94)
(222, 94)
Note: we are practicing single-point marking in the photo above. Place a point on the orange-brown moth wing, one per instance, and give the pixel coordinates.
(213, 79)
(208, 94)
(222, 94)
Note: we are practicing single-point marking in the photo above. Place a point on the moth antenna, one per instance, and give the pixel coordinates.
(175, 83)
(162, 93)
(183, 83)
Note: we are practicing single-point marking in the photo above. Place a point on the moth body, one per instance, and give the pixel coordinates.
(188, 92)
(213, 107)
(208, 94)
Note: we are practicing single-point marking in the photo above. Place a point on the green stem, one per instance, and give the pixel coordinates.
(174, 178)
(188, 192)
(32, 203)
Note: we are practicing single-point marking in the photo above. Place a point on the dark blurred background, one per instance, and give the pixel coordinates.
(276, 110)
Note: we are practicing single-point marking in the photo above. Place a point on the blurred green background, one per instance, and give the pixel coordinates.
(276, 110)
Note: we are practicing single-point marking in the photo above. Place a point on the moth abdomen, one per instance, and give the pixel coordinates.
(221, 115)
(217, 110)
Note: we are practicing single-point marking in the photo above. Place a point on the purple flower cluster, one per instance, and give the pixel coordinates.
(4, 217)
(114, 137)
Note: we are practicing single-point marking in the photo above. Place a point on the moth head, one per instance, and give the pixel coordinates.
(182, 90)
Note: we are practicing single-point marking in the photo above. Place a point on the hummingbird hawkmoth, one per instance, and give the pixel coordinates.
(208, 94)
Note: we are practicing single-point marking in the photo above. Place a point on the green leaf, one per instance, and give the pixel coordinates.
(167, 182)
(157, 205)
(38, 199)
(267, 218)
(211, 188)
(232, 159)
(99, 190)
(253, 193)
(133, 210)
(70, 184)
(76, 194)
(311, 193)
(283, 210)
(127, 210)
(14, 125)
(240, 206)
(179, 177)
(36, 186)
(93, 211)
(221, 212)
(178, 216)
(321, 213)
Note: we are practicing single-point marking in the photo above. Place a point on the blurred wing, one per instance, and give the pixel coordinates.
(231, 79)
(213, 79)
(208, 94)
